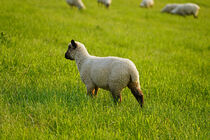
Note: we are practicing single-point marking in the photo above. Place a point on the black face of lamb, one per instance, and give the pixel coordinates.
(67, 56)
(137, 93)
(71, 47)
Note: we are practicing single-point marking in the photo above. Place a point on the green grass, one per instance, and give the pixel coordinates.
(42, 96)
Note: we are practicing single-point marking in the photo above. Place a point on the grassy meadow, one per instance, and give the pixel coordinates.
(42, 96)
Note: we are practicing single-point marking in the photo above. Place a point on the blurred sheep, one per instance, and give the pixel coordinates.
(78, 3)
(147, 3)
(187, 9)
(182, 9)
(107, 3)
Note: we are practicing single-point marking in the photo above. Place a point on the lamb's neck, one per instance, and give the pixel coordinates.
(80, 59)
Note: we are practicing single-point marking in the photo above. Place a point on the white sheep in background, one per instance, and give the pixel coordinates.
(169, 7)
(107, 3)
(78, 3)
(110, 73)
(187, 9)
(147, 3)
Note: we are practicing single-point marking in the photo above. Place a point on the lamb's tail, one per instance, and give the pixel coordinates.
(134, 86)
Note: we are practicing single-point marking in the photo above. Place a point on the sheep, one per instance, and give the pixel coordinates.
(169, 7)
(78, 3)
(187, 9)
(109, 73)
(107, 3)
(147, 3)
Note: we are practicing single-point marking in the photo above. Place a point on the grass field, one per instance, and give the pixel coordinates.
(42, 96)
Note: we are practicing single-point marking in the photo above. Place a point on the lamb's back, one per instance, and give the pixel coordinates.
(103, 70)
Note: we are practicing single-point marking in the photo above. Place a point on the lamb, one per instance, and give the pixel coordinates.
(78, 3)
(109, 73)
(147, 3)
(107, 3)
(187, 9)
(182, 9)
(169, 7)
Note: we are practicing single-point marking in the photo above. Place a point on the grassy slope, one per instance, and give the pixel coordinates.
(42, 96)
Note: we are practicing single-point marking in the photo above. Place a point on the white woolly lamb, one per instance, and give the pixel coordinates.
(147, 3)
(109, 73)
(186, 9)
(78, 3)
(107, 3)
(169, 7)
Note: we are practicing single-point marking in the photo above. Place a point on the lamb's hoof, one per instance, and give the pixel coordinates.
(141, 105)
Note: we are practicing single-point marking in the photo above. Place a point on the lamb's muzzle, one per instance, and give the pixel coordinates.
(68, 57)
(110, 73)
(137, 93)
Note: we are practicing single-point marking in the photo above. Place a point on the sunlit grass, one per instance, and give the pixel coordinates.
(42, 96)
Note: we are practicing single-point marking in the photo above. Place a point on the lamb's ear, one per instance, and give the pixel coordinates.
(73, 43)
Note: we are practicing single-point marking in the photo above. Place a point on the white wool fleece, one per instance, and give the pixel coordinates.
(105, 72)
(147, 3)
(78, 3)
(105, 2)
(186, 9)
(169, 7)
